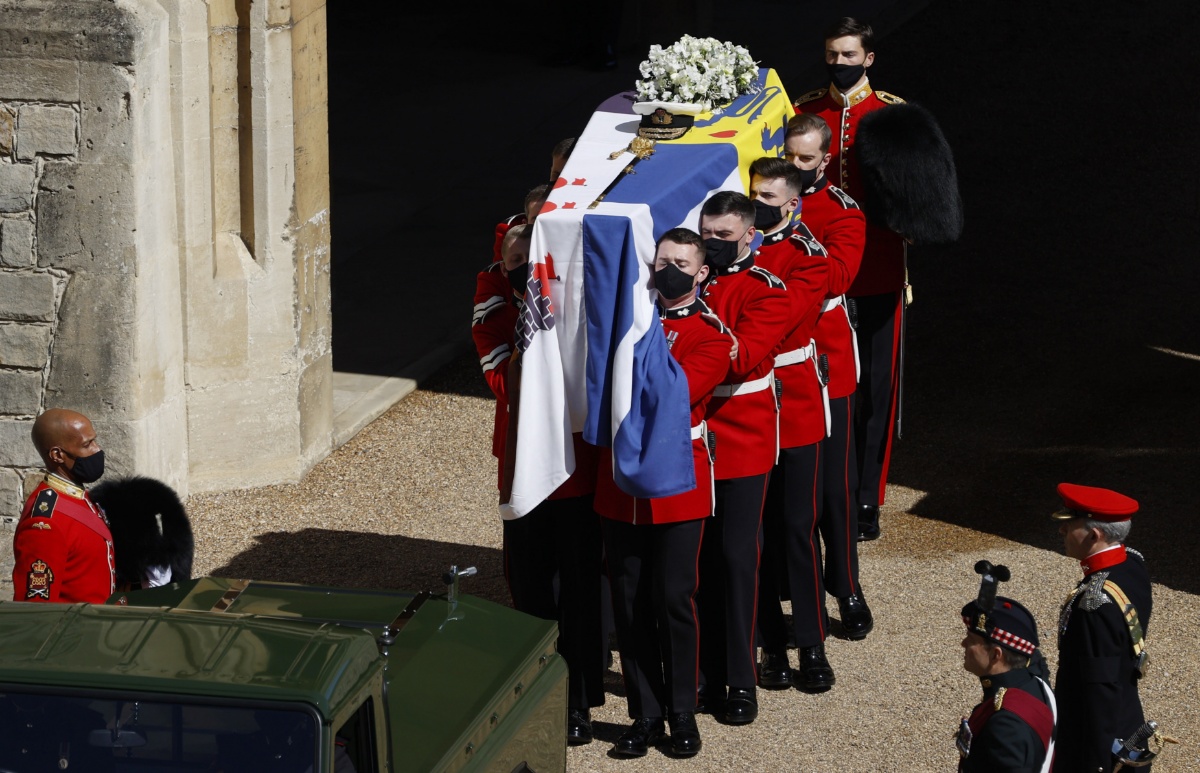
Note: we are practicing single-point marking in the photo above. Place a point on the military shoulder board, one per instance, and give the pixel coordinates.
(891, 99)
(810, 96)
(842, 197)
(768, 277)
(705, 310)
(810, 245)
(43, 507)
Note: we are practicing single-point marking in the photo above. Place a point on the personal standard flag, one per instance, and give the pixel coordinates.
(594, 359)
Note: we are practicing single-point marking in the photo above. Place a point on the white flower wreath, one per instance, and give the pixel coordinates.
(699, 72)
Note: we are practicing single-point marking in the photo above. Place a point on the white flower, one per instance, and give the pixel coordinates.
(698, 70)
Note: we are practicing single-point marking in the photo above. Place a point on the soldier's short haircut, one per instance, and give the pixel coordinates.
(564, 147)
(682, 236)
(1113, 532)
(849, 26)
(537, 192)
(729, 203)
(1014, 659)
(775, 168)
(513, 234)
(803, 123)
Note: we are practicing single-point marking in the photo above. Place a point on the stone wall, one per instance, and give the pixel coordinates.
(164, 233)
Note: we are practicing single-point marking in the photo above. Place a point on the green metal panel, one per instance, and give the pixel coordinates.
(471, 685)
(163, 650)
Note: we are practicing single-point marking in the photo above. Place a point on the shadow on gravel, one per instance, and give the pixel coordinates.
(356, 560)
(1057, 340)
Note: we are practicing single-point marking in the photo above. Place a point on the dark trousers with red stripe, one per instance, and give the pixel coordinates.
(838, 521)
(654, 571)
(728, 597)
(878, 334)
(792, 552)
(561, 537)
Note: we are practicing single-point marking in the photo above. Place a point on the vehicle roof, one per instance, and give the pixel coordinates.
(213, 637)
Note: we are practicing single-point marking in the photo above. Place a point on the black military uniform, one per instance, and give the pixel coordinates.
(1100, 641)
(1006, 741)
(1012, 728)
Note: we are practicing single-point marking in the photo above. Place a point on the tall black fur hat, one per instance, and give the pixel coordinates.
(149, 525)
(909, 175)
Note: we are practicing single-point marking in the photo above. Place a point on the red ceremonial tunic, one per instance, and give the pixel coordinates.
(703, 353)
(840, 226)
(754, 304)
(62, 549)
(794, 256)
(493, 329)
(882, 268)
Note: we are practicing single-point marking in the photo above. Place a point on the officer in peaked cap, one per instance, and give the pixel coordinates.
(1012, 727)
(1101, 632)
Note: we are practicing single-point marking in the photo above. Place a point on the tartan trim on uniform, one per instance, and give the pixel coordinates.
(484, 308)
(1012, 641)
(495, 357)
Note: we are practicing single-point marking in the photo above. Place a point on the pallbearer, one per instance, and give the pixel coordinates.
(839, 225)
(560, 538)
(753, 302)
(653, 545)
(792, 547)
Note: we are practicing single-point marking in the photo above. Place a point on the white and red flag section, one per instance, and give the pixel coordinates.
(594, 358)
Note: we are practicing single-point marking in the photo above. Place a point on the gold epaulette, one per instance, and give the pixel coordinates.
(891, 99)
(810, 96)
(998, 701)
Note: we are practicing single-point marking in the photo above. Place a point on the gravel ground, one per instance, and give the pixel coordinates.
(413, 493)
(1080, 245)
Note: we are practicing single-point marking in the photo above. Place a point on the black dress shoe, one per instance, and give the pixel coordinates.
(868, 523)
(685, 736)
(579, 727)
(857, 621)
(814, 672)
(710, 700)
(774, 672)
(741, 707)
(640, 736)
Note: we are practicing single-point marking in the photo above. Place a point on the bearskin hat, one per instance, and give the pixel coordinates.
(150, 528)
(908, 174)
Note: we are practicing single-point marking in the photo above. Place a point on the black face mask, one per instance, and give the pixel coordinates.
(845, 75)
(719, 253)
(808, 178)
(766, 216)
(673, 282)
(88, 469)
(518, 278)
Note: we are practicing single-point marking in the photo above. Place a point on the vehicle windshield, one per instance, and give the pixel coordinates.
(45, 732)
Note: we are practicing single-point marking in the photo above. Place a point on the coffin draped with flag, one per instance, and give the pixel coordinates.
(594, 358)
